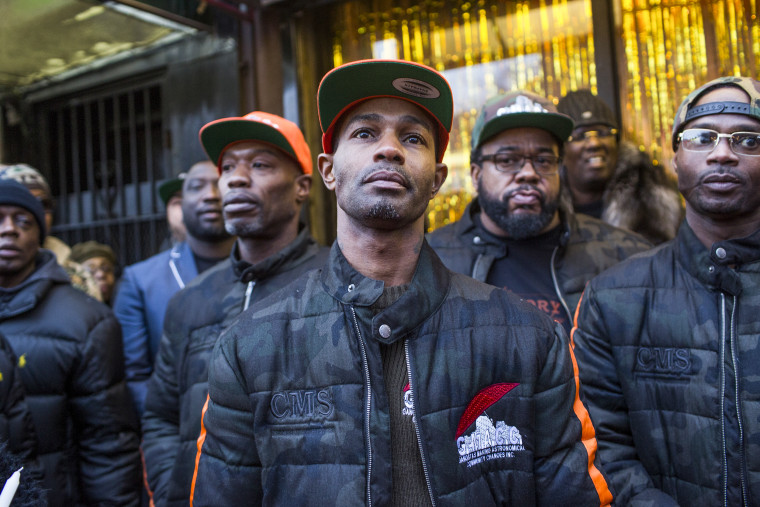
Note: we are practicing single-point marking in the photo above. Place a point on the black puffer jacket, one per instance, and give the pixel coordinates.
(16, 427)
(72, 368)
(178, 386)
(587, 247)
(668, 348)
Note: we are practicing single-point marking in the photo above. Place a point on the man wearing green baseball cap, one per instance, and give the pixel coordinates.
(384, 378)
(520, 232)
(668, 341)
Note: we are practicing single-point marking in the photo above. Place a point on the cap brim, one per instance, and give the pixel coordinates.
(559, 125)
(344, 87)
(219, 134)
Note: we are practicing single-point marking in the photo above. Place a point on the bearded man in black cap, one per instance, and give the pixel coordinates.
(71, 365)
(612, 179)
(520, 232)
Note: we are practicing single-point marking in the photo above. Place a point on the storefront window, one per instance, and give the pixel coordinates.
(670, 47)
(483, 48)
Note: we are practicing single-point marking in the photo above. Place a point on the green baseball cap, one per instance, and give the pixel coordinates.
(519, 110)
(687, 111)
(350, 84)
(170, 187)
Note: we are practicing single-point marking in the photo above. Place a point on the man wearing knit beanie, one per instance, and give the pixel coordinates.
(71, 366)
(36, 183)
(611, 179)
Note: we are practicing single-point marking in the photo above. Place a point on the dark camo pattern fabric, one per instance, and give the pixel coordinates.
(588, 247)
(178, 386)
(298, 414)
(663, 341)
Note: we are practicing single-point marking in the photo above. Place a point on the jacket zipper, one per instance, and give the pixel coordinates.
(732, 337)
(368, 406)
(556, 286)
(723, 394)
(416, 424)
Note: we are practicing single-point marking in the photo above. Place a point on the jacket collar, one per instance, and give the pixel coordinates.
(714, 266)
(427, 291)
(288, 256)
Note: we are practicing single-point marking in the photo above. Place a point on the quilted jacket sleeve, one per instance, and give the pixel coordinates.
(106, 429)
(567, 471)
(129, 308)
(227, 452)
(606, 403)
(160, 422)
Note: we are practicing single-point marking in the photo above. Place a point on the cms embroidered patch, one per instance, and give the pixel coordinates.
(663, 361)
(488, 440)
(301, 405)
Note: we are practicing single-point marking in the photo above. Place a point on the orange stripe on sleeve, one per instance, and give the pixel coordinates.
(201, 439)
(588, 434)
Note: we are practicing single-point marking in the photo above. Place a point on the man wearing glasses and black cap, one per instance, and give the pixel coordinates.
(520, 232)
(668, 343)
(610, 178)
(384, 378)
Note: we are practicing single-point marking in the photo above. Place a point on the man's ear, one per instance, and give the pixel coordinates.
(475, 174)
(325, 165)
(441, 171)
(303, 187)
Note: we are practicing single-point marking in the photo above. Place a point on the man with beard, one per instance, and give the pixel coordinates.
(265, 171)
(384, 378)
(146, 287)
(668, 342)
(520, 232)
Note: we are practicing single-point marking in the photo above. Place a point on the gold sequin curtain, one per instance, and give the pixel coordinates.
(483, 48)
(671, 47)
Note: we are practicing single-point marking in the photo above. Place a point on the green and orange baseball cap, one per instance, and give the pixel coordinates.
(346, 86)
(687, 111)
(218, 135)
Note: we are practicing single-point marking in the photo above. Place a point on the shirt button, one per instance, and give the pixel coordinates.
(351, 288)
(720, 252)
(385, 331)
(711, 269)
(477, 240)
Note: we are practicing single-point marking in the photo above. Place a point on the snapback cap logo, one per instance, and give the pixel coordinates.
(522, 105)
(257, 118)
(416, 88)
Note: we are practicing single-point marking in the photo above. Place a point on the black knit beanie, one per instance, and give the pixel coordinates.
(15, 194)
(585, 108)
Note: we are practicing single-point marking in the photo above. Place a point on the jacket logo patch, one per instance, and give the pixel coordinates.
(663, 361)
(299, 405)
(489, 442)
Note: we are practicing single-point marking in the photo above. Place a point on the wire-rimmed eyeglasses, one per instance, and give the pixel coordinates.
(706, 140)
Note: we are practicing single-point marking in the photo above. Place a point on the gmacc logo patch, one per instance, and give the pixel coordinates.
(416, 88)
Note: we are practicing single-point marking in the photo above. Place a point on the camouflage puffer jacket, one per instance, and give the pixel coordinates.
(298, 412)
(668, 348)
(194, 318)
(587, 247)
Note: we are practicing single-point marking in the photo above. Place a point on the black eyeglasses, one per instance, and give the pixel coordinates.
(582, 135)
(706, 140)
(511, 163)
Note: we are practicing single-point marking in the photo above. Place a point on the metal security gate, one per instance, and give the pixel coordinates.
(105, 153)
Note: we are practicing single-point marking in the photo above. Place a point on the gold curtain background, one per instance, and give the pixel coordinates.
(665, 48)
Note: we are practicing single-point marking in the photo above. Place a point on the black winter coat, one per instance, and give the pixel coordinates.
(72, 367)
